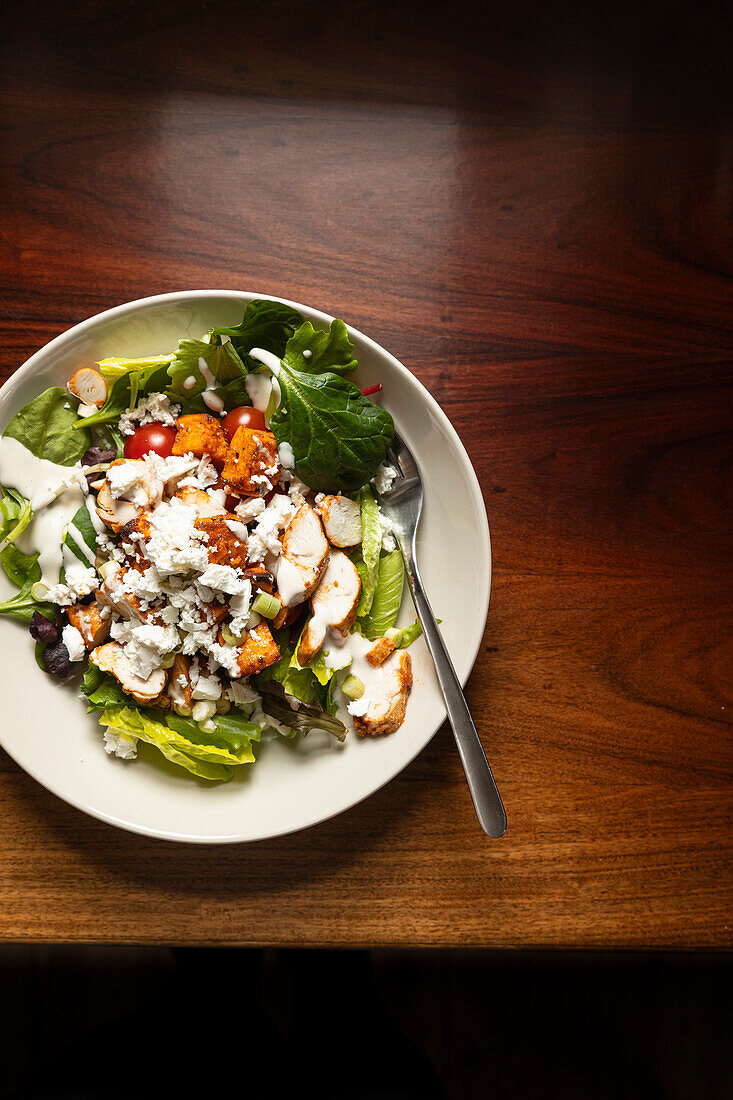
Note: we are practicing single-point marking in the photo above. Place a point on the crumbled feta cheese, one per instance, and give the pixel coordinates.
(155, 408)
(384, 478)
(249, 510)
(274, 518)
(175, 546)
(223, 578)
(388, 539)
(208, 688)
(145, 645)
(357, 707)
(74, 643)
(205, 474)
(297, 491)
(118, 744)
(79, 583)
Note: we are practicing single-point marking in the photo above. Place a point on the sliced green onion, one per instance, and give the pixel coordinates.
(168, 661)
(223, 706)
(353, 687)
(230, 638)
(39, 591)
(266, 605)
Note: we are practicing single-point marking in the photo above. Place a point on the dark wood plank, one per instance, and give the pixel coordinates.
(531, 210)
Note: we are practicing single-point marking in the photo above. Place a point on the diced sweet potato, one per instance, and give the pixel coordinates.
(251, 467)
(199, 434)
(180, 691)
(259, 650)
(223, 546)
(88, 621)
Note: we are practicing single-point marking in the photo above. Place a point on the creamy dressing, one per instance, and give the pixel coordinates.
(380, 683)
(75, 535)
(264, 390)
(285, 456)
(190, 382)
(39, 480)
(211, 399)
(290, 583)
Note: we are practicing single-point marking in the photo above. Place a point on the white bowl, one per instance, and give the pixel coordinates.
(293, 785)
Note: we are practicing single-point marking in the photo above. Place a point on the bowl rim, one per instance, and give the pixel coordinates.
(171, 297)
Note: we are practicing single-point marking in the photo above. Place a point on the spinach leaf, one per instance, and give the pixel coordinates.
(331, 350)
(339, 438)
(102, 690)
(233, 394)
(15, 514)
(23, 570)
(82, 524)
(268, 325)
(124, 395)
(221, 359)
(44, 427)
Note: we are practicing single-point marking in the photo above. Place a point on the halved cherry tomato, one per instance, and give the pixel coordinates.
(150, 437)
(243, 417)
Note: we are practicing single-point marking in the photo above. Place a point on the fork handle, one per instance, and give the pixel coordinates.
(486, 798)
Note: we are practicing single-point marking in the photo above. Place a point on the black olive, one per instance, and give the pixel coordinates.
(94, 455)
(56, 661)
(42, 630)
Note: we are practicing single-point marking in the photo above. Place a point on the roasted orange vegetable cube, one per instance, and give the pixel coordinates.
(199, 434)
(251, 467)
(259, 650)
(223, 546)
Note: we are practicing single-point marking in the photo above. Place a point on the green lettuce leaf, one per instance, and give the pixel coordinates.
(112, 369)
(222, 361)
(44, 427)
(82, 524)
(23, 570)
(339, 438)
(102, 690)
(329, 351)
(406, 636)
(266, 324)
(233, 733)
(387, 596)
(308, 716)
(207, 761)
(15, 514)
(366, 558)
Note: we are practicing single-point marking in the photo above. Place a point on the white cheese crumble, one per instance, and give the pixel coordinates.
(117, 744)
(156, 408)
(249, 510)
(384, 478)
(175, 546)
(74, 643)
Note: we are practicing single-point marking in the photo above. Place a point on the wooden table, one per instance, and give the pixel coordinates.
(531, 210)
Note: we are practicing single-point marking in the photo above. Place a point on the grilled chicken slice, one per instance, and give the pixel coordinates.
(334, 605)
(341, 518)
(385, 698)
(115, 513)
(112, 658)
(88, 386)
(304, 557)
(205, 506)
(179, 683)
(380, 651)
(87, 619)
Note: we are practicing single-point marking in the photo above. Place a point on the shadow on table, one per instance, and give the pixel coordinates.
(144, 1022)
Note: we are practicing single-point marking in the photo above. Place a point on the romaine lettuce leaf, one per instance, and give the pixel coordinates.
(331, 350)
(406, 636)
(207, 761)
(44, 427)
(112, 369)
(387, 596)
(366, 558)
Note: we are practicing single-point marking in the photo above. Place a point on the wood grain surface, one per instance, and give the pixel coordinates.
(529, 205)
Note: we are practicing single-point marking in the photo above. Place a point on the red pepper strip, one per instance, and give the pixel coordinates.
(371, 389)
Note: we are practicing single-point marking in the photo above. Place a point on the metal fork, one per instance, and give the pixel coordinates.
(402, 504)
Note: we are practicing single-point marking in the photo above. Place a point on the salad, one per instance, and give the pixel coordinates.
(196, 535)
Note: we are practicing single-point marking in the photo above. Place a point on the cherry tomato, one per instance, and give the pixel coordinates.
(150, 437)
(243, 417)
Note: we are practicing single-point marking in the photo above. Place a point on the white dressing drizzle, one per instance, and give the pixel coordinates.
(211, 399)
(38, 480)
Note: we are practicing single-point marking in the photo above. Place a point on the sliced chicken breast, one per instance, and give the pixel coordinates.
(385, 699)
(206, 507)
(304, 557)
(112, 658)
(334, 605)
(341, 518)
